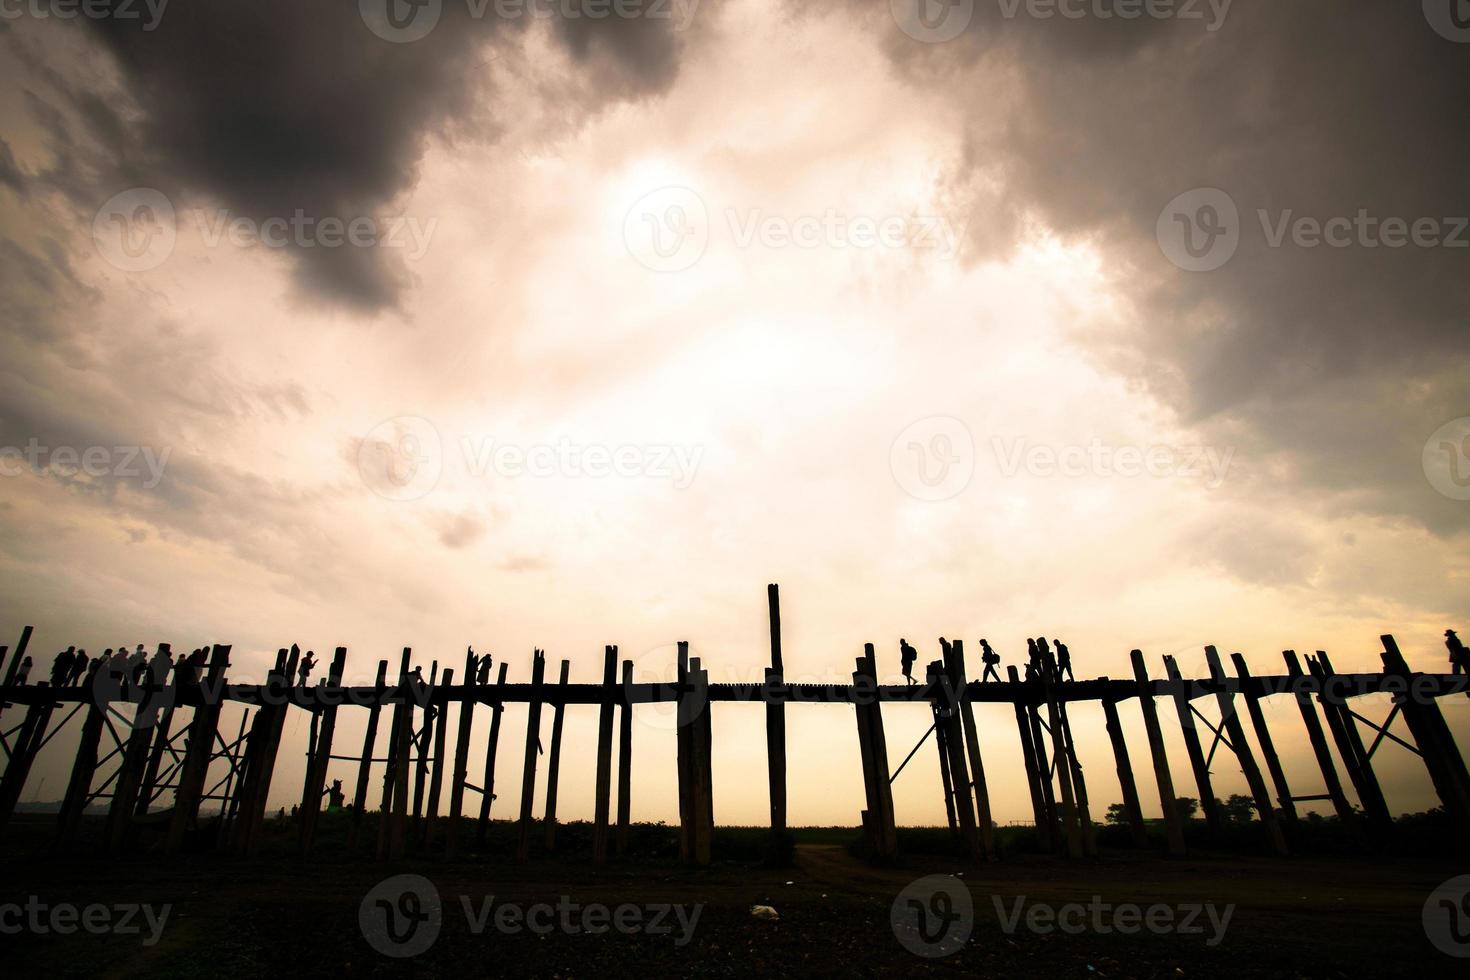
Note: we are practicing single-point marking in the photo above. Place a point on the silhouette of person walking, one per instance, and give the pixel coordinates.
(1459, 656)
(1064, 662)
(485, 668)
(61, 667)
(78, 668)
(906, 657)
(304, 669)
(991, 660)
(23, 671)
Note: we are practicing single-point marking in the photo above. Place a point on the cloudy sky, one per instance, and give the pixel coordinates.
(448, 324)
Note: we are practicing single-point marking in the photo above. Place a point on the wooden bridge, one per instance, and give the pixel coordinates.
(145, 724)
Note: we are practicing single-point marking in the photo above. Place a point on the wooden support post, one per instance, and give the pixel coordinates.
(365, 765)
(1436, 743)
(461, 757)
(229, 795)
(1173, 822)
(880, 820)
(1350, 746)
(198, 750)
(955, 666)
(1230, 718)
(1033, 777)
(625, 762)
(321, 754)
(1132, 808)
(23, 753)
(79, 785)
(1182, 702)
(1072, 828)
(254, 822)
(161, 744)
(1048, 792)
(553, 765)
(1263, 735)
(604, 754)
(422, 742)
(941, 744)
(947, 701)
(436, 781)
(683, 738)
(487, 793)
(533, 745)
(129, 777)
(701, 803)
(394, 842)
(776, 719)
(1319, 743)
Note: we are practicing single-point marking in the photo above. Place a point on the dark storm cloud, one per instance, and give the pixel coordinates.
(1338, 360)
(275, 106)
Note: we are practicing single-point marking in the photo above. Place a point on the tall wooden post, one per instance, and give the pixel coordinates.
(365, 765)
(436, 780)
(23, 753)
(1132, 809)
(604, 754)
(161, 744)
(1319, 742)
(625, 761)
(553, 765)
(423, 741)
(1044, 770)
(776, 718)
(1192, 747)
(1033, 777)
(487, 793)
(198, 750)
(1072, 829)
(79, 785)
(1350, 746)
(1173, 822)
(1230, 718)
(949, 715)
(701, 802)
(684, 744)
(1436, 743)
(321, 755)
(129, 776)
(400, 751)
(533, 745)
(880, 820)
(461, 756)
(1263, 736)
(955, 666)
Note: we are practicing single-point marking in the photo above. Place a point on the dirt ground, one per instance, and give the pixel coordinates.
(229, 917)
